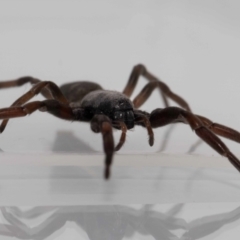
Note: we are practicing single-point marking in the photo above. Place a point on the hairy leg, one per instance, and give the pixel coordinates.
(101, 123)
(51, 106)
(220, 129)
(52, 88)
(122, 126)
(142, 118)
(161, 117)
(154, 82)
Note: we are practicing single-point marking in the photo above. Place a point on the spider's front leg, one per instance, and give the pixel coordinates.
(162, 117)
(101, 123)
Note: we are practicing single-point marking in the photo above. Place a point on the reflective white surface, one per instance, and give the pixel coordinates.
(51, 184)
(151, 196)
(136, 179)
(178, 221)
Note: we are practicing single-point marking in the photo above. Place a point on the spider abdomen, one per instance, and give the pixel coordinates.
(76, 91)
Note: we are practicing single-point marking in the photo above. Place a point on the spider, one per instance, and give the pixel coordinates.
(88, 102)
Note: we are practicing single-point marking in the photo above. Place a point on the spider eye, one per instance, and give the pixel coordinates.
(119, 115)
(129, 116)
(129, 120)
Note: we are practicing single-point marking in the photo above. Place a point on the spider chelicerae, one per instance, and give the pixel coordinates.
(86, 101)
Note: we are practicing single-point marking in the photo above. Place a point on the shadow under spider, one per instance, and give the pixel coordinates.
(66, 141)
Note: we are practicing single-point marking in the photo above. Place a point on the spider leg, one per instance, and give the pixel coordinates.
(23, 80)
(220, 129)
(18, 82)
(140, 70)
(51, 106)
(161, 117)
(123, 127)
(141, 118)
(101, 123)
(36, 89)
(137, 71)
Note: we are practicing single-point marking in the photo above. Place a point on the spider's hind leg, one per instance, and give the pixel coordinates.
(23, 80)
(52, 106)
(49, 89)
(18, 82)
(154, 82)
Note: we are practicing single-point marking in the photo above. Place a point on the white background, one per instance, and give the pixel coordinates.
(193, 46)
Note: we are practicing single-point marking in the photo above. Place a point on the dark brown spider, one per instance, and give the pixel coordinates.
(88, 102)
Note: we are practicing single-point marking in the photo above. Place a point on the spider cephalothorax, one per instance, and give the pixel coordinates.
(104, 109)
(113, 104)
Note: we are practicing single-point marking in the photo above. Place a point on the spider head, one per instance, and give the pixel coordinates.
(113, 104)
(122, 110)
(125, 116)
